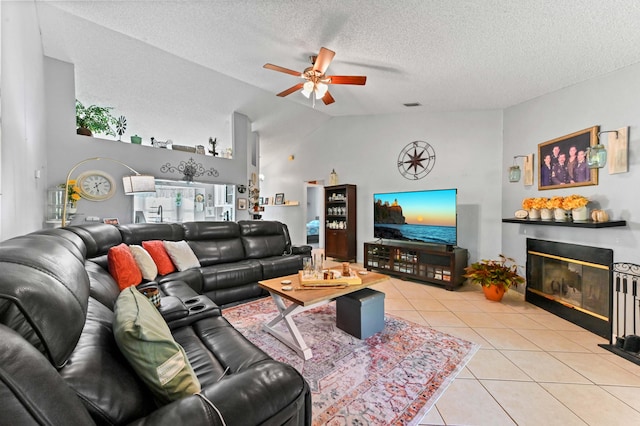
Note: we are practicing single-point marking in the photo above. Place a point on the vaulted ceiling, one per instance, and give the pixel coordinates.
(447, 55)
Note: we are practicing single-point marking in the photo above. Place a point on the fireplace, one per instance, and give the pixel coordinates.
(571, 281)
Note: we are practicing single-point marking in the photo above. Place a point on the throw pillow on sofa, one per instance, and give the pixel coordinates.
(181, 254)
(123, 267)
(159, 255)
(145, 262)
(146, 342)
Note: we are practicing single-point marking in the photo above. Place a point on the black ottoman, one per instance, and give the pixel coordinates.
(361, 313)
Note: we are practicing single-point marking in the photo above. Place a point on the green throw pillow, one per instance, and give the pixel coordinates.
(146, 341)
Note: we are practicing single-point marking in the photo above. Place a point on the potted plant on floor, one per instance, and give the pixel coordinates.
(94, 119)
(495, 276)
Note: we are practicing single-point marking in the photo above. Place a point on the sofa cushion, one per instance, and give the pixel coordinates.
(98, 237)
(123, 267)
(160, 256)
(145, 262)
(262, 238)
(146, 341)
(214, 252)
(181, 255)
(136, 233)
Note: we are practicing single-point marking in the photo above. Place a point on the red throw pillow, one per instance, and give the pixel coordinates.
(160, 256)
(123, 267)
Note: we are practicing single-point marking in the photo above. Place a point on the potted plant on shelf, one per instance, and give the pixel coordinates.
(94, 119)
(495, 276)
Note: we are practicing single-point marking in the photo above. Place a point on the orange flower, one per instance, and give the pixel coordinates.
(574, 201)
(540, 203)
(555, 203)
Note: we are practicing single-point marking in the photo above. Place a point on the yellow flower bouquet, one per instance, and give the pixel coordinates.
(556, 203)
(73, 190)
(539, 203)
(527, 203)
(574, 201)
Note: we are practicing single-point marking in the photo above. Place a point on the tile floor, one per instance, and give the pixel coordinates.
(533, 368)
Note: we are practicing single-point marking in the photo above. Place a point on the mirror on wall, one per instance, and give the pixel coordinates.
(179, 201)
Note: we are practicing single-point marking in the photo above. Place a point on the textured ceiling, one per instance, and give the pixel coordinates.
(445, 54)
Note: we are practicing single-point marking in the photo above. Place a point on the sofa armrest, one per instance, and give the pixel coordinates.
(193, 410)
(186, 312)
(304, 251)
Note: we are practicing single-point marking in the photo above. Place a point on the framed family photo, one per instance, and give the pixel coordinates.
(563, 160)
(279, 199)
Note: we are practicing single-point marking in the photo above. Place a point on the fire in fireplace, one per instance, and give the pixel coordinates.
(571, 281)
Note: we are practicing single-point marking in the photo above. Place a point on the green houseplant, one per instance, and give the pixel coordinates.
(495, 276)
(94, 119)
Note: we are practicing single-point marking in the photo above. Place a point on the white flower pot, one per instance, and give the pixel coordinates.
(534, 214)
(560, 215)
(546, 214)
(580, 214)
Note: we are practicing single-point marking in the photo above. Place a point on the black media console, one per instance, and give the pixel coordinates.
(440, 265)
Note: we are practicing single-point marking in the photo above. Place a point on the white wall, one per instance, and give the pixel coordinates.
(610, 101)
(24, 141)
(364, 151)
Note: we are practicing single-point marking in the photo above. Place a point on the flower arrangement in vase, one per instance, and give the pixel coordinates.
(495, 276)
(73, 194)
(578, 206)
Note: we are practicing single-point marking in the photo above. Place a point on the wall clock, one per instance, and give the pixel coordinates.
(416, 160)
(96, 185)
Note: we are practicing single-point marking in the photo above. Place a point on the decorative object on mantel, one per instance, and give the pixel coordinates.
(212, 146)
(515, 173)
(572, 207)
(563, 160)
(94, 119)
(598, 215)
(333, 177)
(495, 276)
(189, 169)
(618, 146)
(121, 126)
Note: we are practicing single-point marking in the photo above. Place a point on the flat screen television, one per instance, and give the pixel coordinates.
(427, 216)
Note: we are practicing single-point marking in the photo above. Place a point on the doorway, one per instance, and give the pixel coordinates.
(314, 215)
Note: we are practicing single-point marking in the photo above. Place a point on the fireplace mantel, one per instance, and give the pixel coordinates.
(580, 224)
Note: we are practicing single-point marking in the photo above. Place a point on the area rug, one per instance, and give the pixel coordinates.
(393, 377)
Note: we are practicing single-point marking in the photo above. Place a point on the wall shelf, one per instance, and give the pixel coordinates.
(577, 224)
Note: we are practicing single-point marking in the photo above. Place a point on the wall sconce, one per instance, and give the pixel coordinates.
(132, 184)
(618, 149)
(515, 173)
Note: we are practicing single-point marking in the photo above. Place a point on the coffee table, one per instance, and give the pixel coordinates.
(305, 298)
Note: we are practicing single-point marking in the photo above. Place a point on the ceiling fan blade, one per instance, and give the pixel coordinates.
(290, 90)
(347, 79)
(327, 98)
(282, 69)
(323, 60)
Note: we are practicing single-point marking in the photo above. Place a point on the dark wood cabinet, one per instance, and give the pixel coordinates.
(340, 222)
(419, 262)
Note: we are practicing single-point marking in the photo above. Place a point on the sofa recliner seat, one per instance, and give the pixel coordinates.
(56, 313)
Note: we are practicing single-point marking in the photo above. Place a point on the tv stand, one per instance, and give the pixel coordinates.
(442, 265)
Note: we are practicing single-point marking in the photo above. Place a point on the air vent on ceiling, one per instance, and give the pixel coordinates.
(413, 104)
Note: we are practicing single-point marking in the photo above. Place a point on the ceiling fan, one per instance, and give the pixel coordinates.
(316, 82)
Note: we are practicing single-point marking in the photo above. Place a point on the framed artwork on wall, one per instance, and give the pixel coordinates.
(242, 203)
(563, 160)
(279, 199)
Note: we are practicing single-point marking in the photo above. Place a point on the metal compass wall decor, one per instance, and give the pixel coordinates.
(416, 160)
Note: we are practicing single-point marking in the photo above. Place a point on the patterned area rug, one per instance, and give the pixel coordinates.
(393, 377)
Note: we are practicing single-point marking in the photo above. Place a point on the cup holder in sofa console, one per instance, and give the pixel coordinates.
(191, 301)
(196, 308)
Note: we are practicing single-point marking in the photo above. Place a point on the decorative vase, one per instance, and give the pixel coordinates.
(333, 178)
(534, 214)
(580, 214)
(546, 214)
(136, 139)
(494, 292)
(560, 215)
(72, 208)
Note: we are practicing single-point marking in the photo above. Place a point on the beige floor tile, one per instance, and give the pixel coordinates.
(388, 289)
(491, 364)
(542, 367)
(465, 374)
(427, 305)
(593, 404)
(432, 418)
(504, 338)
(621, 362)
(435, 318)
(397, 304)
(479, 319)
(460, 305)
(467, 334)
(467, 402)
(489, 306)
(516, 321)
(553, 322)
(598, 369)
(529, 404)
(629, 395)
(586, 339)
(551, 341)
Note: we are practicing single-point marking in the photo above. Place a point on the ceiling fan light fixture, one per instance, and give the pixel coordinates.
(321, 89)
(306, 93)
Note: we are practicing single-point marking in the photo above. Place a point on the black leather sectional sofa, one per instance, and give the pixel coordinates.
(59, 362)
